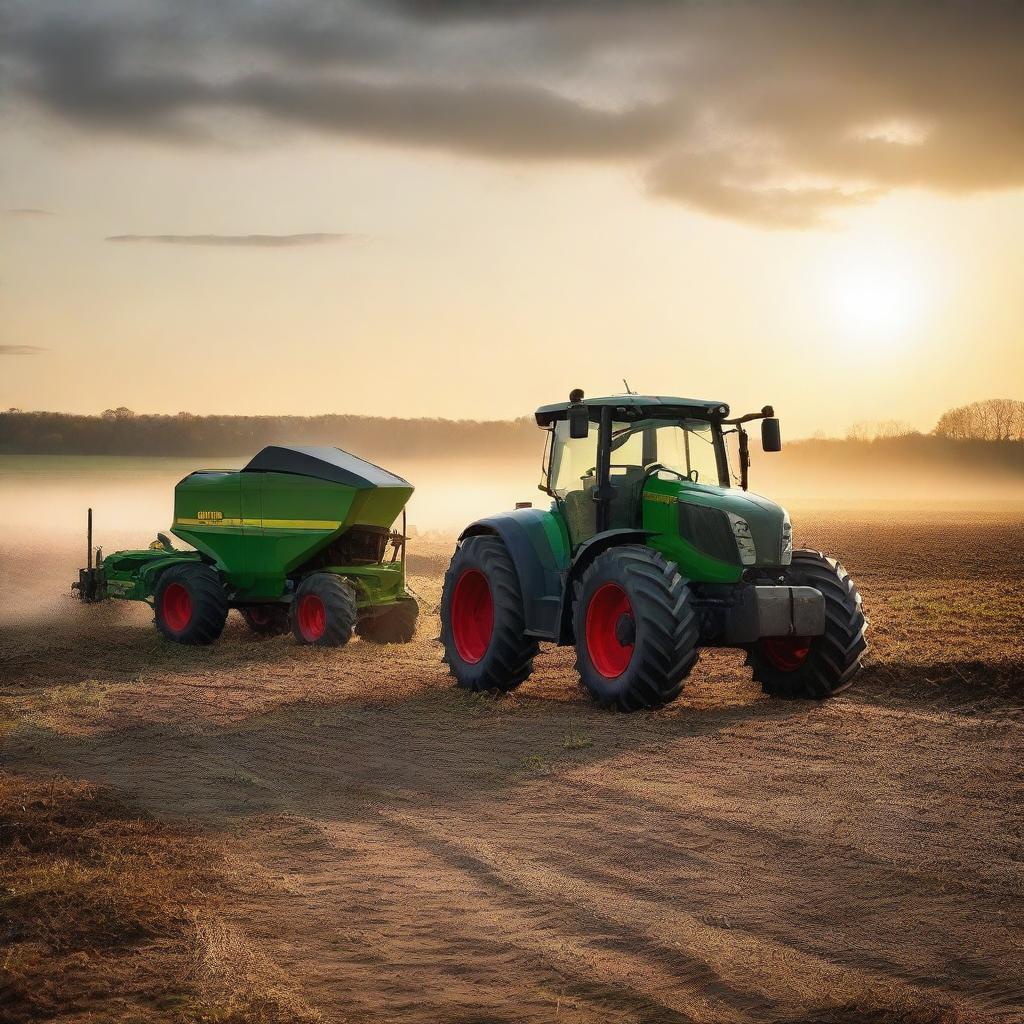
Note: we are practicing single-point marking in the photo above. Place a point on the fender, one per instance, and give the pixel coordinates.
(540, 553)
(544, 565)
(585, 554)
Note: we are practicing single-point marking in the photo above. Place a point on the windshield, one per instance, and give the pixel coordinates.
(684, 447)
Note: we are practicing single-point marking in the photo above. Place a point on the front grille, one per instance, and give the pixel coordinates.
(708, 530)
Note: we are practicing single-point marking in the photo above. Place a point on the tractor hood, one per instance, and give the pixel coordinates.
(768, 522)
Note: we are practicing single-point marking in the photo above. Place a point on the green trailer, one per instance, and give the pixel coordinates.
(300, 538)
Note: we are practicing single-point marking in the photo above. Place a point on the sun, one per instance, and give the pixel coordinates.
(878, 302)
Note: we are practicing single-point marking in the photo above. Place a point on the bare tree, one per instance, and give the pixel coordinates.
(995, 419)
(871, 430)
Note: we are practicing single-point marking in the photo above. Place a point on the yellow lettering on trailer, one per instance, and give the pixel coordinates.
(269, 524)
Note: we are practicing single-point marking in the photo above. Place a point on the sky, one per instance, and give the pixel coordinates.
(464, 209)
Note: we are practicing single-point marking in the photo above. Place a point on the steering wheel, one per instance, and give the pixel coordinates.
(657, 467)
(611, 465)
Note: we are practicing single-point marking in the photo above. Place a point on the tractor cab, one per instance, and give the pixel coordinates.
(602, 453)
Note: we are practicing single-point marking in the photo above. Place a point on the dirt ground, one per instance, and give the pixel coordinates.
(394, 849)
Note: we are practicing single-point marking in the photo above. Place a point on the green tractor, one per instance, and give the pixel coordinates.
(647, 553)
(298, 539)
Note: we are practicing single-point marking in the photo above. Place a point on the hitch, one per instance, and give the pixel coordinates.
(90, 584)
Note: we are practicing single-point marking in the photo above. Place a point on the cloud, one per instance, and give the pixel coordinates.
(21, 350)
(250, 241)
(27, 211)
(774, 114)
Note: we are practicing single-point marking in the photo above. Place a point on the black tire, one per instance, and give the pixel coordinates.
(267, 619)
(392, 624)
(190, 603)
(824, 665)
(485, 652)
(657, 616)
(323, 611)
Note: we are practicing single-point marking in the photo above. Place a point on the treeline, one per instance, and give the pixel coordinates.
(997, 419)
(984, 437)
(122, 432)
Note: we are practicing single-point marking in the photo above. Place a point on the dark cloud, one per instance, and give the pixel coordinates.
(21, 350)
(776, 114)
(250, 241)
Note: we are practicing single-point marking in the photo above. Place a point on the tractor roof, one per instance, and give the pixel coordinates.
(323, 463)
(637, 407)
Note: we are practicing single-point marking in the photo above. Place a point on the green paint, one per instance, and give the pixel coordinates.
(258, 529)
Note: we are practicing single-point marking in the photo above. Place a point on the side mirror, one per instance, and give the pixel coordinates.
(579, 421)
(771, 436)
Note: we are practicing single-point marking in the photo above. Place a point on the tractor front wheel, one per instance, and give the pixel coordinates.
(393, 624)
(323, 610)
(190, 604)
(267, 619)
(816, 667)
(636, 629)
(483, 627)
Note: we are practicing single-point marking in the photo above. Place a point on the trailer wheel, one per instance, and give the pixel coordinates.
(483, 628)
(818, 667)
(636, 629)
(323, 611)
(393, 624)
(190, 604)
(267, 619)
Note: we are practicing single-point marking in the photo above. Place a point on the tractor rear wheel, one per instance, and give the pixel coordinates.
(393, 624)
(267, 619)
(483, 627)
(817, 667)
(323, 610)
(636, 629)
(190, 604)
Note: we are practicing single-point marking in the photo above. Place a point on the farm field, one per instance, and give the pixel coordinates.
(342, 836)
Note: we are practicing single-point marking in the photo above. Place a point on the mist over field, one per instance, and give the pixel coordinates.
(44, 498)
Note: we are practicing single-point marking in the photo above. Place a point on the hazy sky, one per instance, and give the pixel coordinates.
(457, 208)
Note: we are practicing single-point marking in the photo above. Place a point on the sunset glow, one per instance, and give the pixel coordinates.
(878, 306)
(271, 205)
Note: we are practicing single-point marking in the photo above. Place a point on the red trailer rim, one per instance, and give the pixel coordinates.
(609, 620)
(472, 616)
(312, 616)
(786, 653)
(176, 606)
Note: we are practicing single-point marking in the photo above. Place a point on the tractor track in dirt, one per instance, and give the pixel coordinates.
(402, 851)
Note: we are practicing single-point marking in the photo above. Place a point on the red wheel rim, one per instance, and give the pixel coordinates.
(260, 616)
(312, 617)
(786, 653)
(604, 630)
(472, 616)
(176, 605)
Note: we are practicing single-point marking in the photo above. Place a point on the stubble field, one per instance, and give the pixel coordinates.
(284, 833)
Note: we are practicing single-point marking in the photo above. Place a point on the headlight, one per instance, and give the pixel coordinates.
(787, 540)
(744, 541)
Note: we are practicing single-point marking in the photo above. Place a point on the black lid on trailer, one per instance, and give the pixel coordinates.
(323, 463)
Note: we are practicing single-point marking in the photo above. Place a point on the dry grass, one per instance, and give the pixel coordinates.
(380, 845)
(99, 911)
